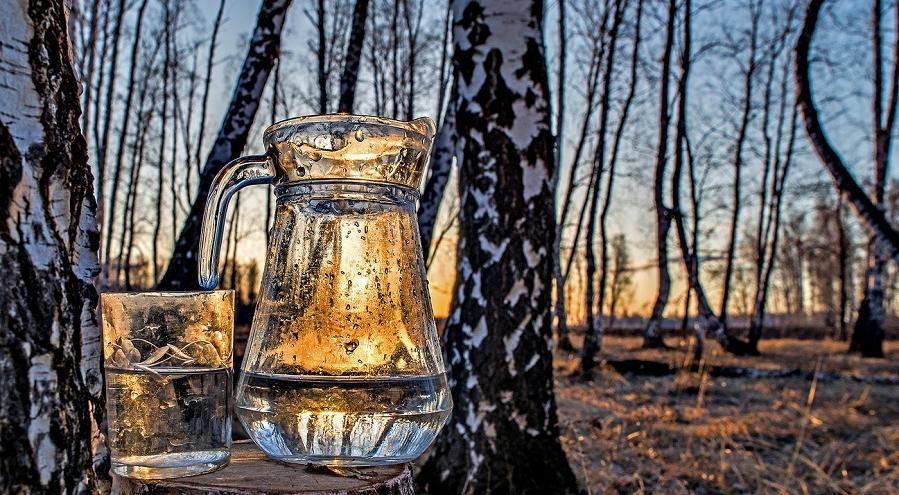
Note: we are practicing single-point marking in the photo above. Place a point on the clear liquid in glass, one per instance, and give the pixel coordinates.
(343, 420)
(169, 422)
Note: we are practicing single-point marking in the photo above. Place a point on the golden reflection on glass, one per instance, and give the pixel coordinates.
(343, 364)
(168, 360)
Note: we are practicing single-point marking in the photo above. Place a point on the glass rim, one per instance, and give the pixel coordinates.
(163, 293)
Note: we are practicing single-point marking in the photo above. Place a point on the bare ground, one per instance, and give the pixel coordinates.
(693, 433)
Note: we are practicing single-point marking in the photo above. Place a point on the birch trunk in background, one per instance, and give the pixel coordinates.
(593, 331)
(588, 355)
(101, 150)
(742, 131)
(503, 435)
(353, 57)
(232, 138)
(883, 237)
(652, 335)
(869, 332)
(706, 319)
(210, 59)
(51, 398)
(440, 165)
(120, 151)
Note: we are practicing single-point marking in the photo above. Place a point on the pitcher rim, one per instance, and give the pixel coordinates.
(423, 126)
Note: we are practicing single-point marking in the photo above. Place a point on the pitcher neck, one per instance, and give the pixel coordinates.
(347, 190)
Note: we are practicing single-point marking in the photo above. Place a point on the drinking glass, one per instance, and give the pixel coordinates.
(168, 359)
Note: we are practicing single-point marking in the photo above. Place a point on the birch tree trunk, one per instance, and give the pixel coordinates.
(101, 150)
(652, 335)
(869, 332)
(738, 160)
(588, 356)
(353, 57)
(560, 276)
(706, 319)
(440, 164)
(503, 433)
(51, 398)
(594, 314)
(210, 59)
(123, 134)
(883, 236)
(232, 138)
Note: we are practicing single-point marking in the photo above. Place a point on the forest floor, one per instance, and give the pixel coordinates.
(690, 432)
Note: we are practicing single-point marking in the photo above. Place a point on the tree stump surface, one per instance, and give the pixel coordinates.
(250, 472)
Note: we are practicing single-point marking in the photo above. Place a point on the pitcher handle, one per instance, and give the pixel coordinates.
(239, 173)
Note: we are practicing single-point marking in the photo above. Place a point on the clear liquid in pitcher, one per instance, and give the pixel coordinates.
(343, 420)
(343, 365)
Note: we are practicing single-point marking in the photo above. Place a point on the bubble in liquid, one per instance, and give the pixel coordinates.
(359, 136)
(351, 346)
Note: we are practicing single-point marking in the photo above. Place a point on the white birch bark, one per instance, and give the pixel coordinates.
(503, 433)
(51, 399)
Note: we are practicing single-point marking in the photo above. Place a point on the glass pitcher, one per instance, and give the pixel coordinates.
(342, 365)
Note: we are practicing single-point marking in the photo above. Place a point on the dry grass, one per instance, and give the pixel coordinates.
(692, 433)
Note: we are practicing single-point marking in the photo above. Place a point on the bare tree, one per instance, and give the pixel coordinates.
(50, 351)
(594, 70)
(706, 319)
(107, 109)
(792, 263)
(276, 91)
(374, 60)
(322, 53)
(394, 60)
(98, 89)
(353, 57)
(413, 18)
(621, 279)
(264, 48)
(869, 333)
(594, 314)
(91, 58)
(144, 120)
(843, 262)
(172, 14)
(498, 338)
(123, 132)
(560, 85)
(587, 361)
(652, 336)
(781, 171)
(210, 60)
(755, 13)
(777, 165)
(444, 74)
(882, 237)
(163, 129)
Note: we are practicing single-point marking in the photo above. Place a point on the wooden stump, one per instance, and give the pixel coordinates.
(252, 473)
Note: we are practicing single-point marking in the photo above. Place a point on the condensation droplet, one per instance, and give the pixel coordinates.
(310, 152)
(359, 136)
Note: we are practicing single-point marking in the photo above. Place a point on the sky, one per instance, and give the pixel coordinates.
(841, 75)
